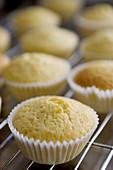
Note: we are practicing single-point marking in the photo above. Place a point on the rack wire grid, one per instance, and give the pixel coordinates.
(97, 155)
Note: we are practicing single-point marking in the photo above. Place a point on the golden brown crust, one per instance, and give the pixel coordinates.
(54, 118)
(99, 74)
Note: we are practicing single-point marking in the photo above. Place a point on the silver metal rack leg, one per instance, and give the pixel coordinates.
(11, 160)
(106, 162)
(93, 139)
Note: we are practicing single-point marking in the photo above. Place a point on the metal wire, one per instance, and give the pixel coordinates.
(30, 165)
(5, 141)
(3, 124)
(93, 139)
(106, 162)
(17, 153)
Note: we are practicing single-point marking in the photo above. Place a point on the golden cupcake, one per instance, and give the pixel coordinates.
(33, 16)
(53, 40)
(4, 60)
(61, 127)
(92, 84)
(94, 18)
(4, 40)
(65, 8)
(98, 46)
(36, 74)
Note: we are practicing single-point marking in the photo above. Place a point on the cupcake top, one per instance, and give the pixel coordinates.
(3, 61)
(66, 8)
(98, 74)
(54, 40)
(34, 16)
(99, 12)
(35, 67)
(100, 42)
(4, 39)
(53, 118)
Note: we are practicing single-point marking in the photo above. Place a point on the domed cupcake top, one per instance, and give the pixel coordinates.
(98, 74)
(35, 67)
(34, 16)
(53, 118)
(100, 42)
(99, 12)
(66, 8)
(53, 40)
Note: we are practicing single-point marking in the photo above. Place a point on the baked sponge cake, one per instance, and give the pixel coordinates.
(53, 40)
(62, 125)
(98, 45)
(4, 40)
(93, 84)
(33, 16)
(4, 61)
(32, 74)
(65, 8)
(94, 18)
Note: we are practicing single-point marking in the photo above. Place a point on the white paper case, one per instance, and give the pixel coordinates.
(88, 56)
(99, 100)
(49, 153)
(86, 26)
(23, 91)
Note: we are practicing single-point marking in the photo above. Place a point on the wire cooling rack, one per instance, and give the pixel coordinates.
(97, 155)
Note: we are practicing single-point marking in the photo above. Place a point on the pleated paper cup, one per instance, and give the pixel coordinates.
(89, 56)
(87, 27)
(49, 153)
(5, 63)
(99, 100)
(23, 91)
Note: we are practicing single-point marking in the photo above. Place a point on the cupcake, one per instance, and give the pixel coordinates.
(4, 40)
(4, 60)
(94, 18)
(33, 16)
(36, 74)
(92, 84)
(52, 130)
(65, 8)
(98, 46)
(53, 40)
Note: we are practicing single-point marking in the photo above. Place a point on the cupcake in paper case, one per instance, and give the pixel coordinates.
(33, 16)
(65, 8)
(98, 46)
(35, 74)
(52, 129)
(4, 61)
(52, 40)
(92, 84)
(4, 40)
(94, 18)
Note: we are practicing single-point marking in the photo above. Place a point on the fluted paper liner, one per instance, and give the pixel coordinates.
(49, 153)
(88, 56)
(99, 100)
(87, 26)
(7, 60)
(22, 91)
